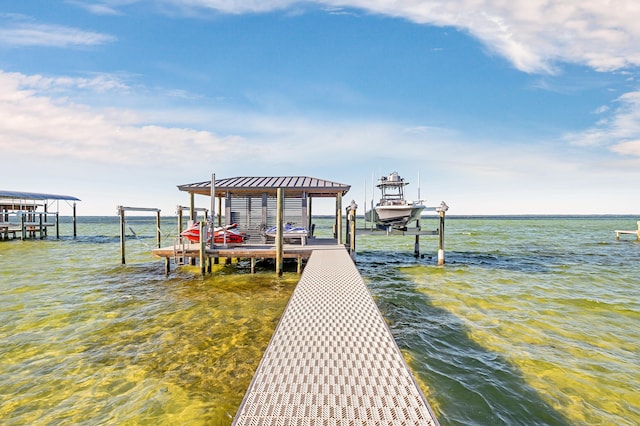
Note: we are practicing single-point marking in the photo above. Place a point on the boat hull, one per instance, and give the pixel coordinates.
(398, 216)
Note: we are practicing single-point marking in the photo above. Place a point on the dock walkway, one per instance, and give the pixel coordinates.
(332, 359)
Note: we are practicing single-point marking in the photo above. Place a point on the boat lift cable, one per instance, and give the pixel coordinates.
(136, 235)
(164, 234)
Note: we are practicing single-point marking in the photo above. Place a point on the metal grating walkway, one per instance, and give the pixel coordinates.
(332, 359)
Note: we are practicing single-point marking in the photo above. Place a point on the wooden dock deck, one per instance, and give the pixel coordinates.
(332, 359)
(300, 252)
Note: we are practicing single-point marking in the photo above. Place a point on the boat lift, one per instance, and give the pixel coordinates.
(371, 228)
(374, 228)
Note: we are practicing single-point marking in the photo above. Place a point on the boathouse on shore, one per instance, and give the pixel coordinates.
(29, 214)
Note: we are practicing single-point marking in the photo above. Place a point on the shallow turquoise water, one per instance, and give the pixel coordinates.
(531, 321)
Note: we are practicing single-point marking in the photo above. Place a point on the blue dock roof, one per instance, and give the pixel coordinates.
(20, 195)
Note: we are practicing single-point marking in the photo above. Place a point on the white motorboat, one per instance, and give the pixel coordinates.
(394, 210)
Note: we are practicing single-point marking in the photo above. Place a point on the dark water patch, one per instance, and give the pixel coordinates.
(467, 383)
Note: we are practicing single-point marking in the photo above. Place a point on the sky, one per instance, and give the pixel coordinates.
(521, 107)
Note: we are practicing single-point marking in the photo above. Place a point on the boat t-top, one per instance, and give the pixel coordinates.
(394, 210)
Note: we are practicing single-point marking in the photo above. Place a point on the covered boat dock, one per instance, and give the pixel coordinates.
(261, 207)
(21, 217)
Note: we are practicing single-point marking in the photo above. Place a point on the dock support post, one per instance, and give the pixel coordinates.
(192, 218)
(122, 235)
(218, 209)
(203, 241)
(309, 213)
(305, 211)
(279, 231)
(158, 233)
(57, 225)
(351, 231)
(441, 210)
(339, 218)
(253, 265)
(23, 225)
(416, 244)
(45, 230)
(41, 226)
(75, 222)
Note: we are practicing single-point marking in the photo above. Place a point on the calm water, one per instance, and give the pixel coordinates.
(531, 321)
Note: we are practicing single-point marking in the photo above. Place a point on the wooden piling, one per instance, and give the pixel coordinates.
(351, 222)
(122, 235)
(23, 225)
(441, 236)
(203, 242)
(41, 226)
(416, 244)
(158, 233)
(279, 231)
(57, 225)
(75, 222)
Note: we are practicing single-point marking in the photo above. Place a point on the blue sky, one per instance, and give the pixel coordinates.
(499, 108)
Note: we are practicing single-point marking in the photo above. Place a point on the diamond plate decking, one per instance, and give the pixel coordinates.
(332, 359)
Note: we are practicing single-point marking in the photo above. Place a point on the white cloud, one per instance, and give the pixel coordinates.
(620, 131)
(533, 35)
(628, 148)
(100, 151)
(34, 123)
(16, 33)
(103, 8)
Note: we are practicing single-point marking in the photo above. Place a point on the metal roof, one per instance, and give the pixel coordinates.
(257, 185)
(19, 195)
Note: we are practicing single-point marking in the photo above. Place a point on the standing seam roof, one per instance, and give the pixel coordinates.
(257, 184)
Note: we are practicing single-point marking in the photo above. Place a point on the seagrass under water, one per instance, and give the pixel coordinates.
(532, 321)
(332, 359)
